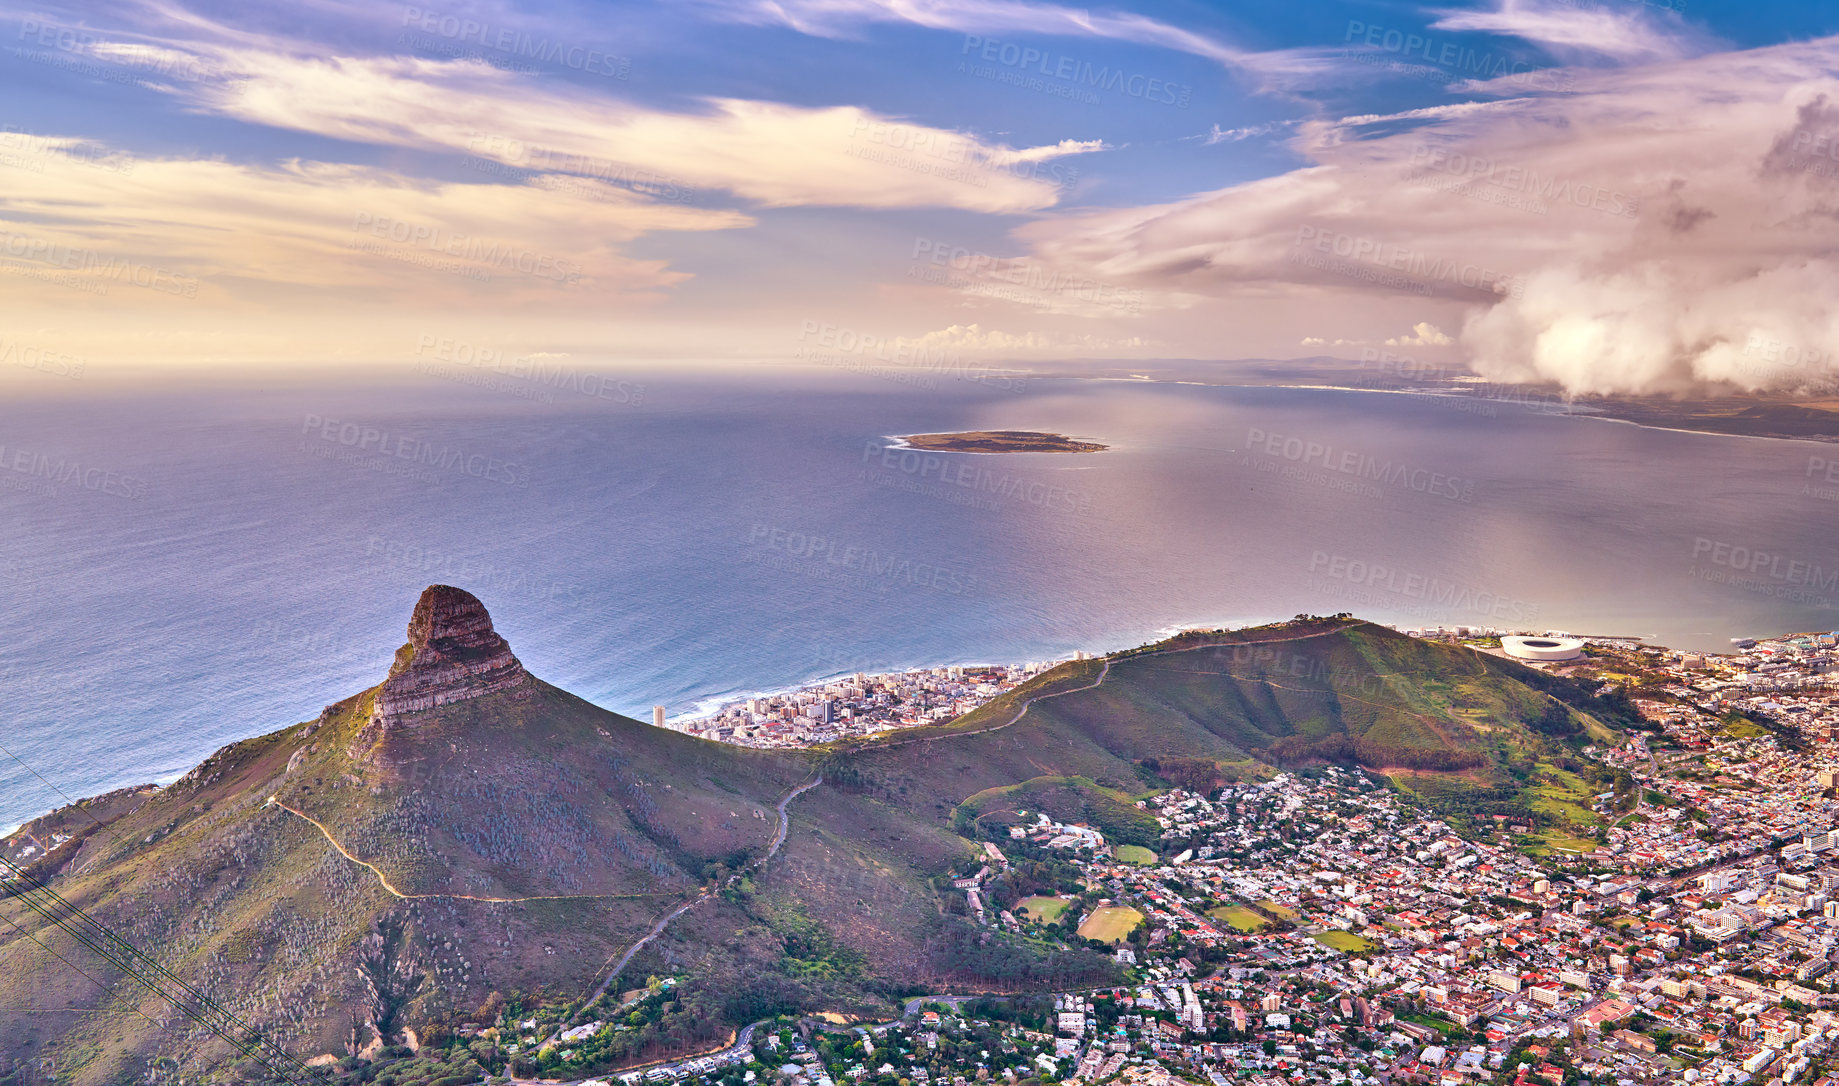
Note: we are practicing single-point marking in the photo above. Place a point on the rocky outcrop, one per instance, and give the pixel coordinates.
(453, 654)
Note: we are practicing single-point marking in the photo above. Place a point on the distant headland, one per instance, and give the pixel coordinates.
(1001, 441)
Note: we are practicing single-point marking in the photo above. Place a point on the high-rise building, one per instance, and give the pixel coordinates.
(657, 716)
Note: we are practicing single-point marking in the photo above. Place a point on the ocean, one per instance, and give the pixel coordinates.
(187, 567)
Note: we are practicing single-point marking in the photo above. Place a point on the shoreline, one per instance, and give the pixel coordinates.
(1535, 404)
(1162, 633)
(997, 442)
(1531, 407)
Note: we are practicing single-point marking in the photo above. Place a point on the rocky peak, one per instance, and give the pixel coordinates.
(453, 654)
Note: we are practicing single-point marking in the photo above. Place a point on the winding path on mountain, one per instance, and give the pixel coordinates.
(663, 922)
(383, 880)
(1103, 674)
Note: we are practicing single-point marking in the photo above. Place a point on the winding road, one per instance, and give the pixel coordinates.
(1103, 673)
(663, 922)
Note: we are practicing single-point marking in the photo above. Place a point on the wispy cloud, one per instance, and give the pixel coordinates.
(977, 340)
(839, 18)
(1582, 32)
(774, 154)
(1280, 70)
(1218, 135)
(332, 232)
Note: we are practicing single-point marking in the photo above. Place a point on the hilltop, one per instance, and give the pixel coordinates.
(463, 841)
(1475, 734)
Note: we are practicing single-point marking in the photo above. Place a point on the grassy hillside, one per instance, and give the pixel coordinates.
(603, 822)
(1064, 799)
(1322, 690)
(502, 850)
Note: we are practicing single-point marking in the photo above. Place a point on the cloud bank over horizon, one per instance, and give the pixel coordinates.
(1659, 229)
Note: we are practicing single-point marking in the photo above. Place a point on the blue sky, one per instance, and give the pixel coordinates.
(1613, 195)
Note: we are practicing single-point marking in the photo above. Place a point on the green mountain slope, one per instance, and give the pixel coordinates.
(465, 837)
(1323, 690)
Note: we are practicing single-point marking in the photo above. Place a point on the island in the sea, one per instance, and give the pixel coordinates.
(1001, 441)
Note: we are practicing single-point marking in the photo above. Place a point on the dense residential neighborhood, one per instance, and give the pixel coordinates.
(1325, 925)
(859, 705)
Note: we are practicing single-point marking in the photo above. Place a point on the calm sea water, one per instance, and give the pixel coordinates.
(715, 535)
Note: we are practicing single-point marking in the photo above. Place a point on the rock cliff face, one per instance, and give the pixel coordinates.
(453, 654)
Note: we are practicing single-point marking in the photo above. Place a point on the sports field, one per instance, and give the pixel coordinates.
(1110, 924)
(1345, 941)
(1240, 917)
(1135, 854)
(1043, 908)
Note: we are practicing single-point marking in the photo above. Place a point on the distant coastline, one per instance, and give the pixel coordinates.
(1815, 418)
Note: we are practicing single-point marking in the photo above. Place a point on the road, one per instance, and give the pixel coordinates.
(663, 922)
(742, 1045)
(1103, 673)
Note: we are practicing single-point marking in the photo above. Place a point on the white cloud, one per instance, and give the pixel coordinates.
(1661, 228)
(74, 212)
(778, 155)
(975, 339)
(1275, 70)
(838, 18)
(1233, 135)
(1423, 334)
(766, 152)
(1574, 32)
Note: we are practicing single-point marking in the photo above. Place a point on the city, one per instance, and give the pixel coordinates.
(1321, 926)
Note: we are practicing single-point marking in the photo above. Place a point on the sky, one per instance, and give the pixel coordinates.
(1615, 196)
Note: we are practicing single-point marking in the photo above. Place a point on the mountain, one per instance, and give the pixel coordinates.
(1473, 732)
(464, 843)
(512, 837)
